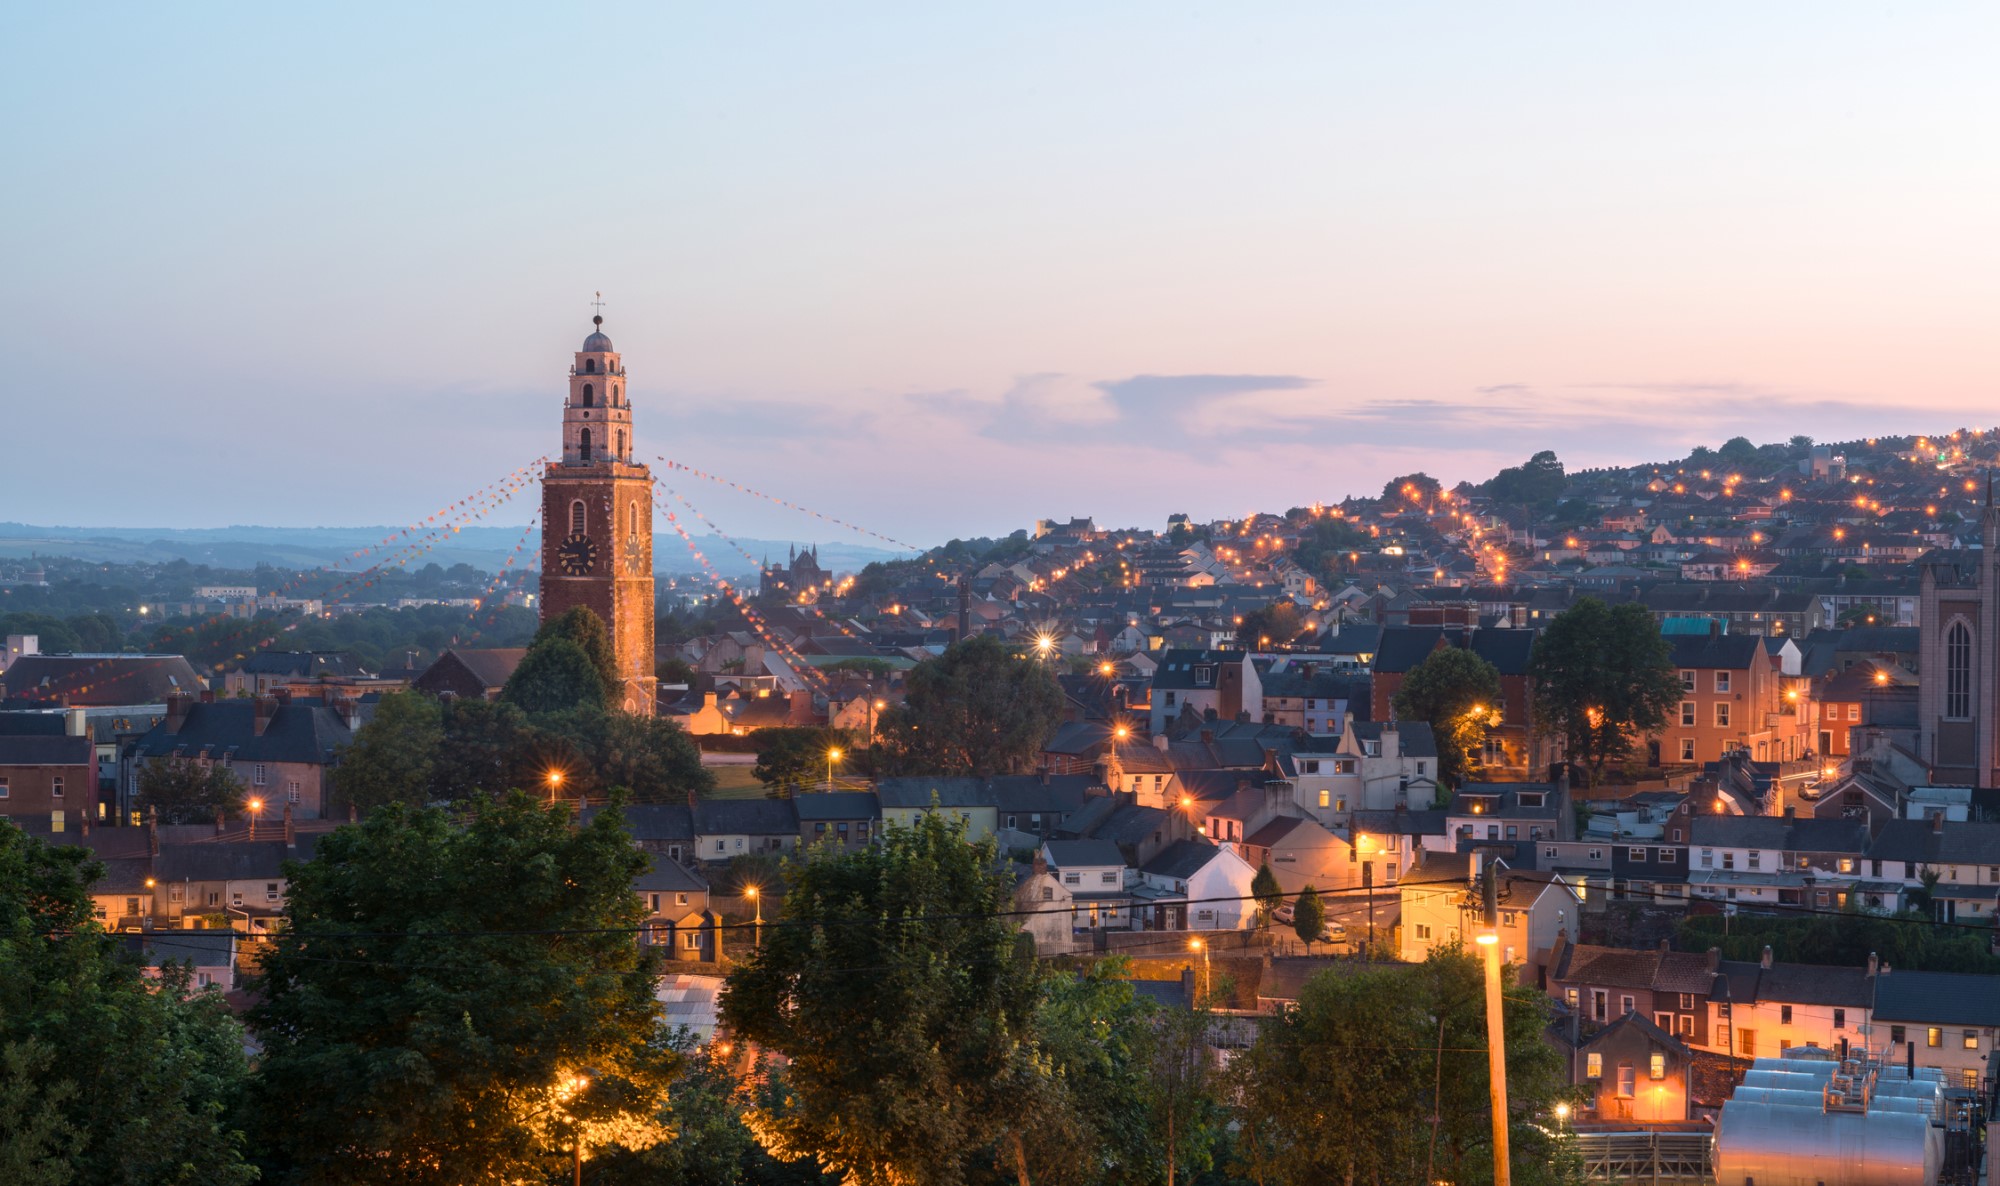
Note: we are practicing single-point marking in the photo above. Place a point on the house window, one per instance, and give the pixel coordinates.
(1340, 804)
(1597, 1003)
(1687, 1000)
(1722, 681)
(292, 792)
(1072, 879)
(1746, 1043)
(56, 787)
(1708, 858)
(1423, 931)
(1311, 767)
(1722, 716)
(680, 899)
(270, 891)
(1687, 1025)
(1665, 1021)
(1593, 1065)
(257, 777)
(1934, 1037)
(1729, 860)
(1325, 798)
(1784, 1014)
(3, 786)
(1687, 749)
(1048, 893)
(1513, 832)
(720, 846)
(1854, 712)
(1971, 1039)
(819, 829)
(1840, 1019)
(1204, 676)
(1637, 854)
(691, 940)
(1109, 879)
(1627, 1088)
(1756, 858)
(1687, 713)
(1626, 1004)
(1658, 1067)
(1549, 852)
(1896, 1035)
(1687, 681)
(656, 903)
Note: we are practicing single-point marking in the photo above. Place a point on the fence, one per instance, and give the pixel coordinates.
(1655, 1157)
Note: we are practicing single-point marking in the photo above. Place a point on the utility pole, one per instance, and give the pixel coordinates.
(1496, 1030)
(1368, 885)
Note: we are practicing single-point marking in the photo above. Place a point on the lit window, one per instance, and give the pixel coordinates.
(1594, 1065)
(1658, 1069)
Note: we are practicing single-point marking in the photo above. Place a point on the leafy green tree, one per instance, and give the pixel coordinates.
(582, 626)
(105, 1077)
(1269, 894)
(393, 757)
(1602, 677)
(1184, 1106)
(189, 792)
(1418, 489)
(1538, 483)
(946, 1003)
(651, 758)
(467, 1025)
(487, 748)
(1087, 1102)
(1737, 450)
(556, 675)
(1277, 624)
(1309, 916)
(1411, 1040)
(1458, 693)
(790, 760)
(978, 709)
(674, 671)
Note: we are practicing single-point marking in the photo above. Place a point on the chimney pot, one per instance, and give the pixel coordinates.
(1937, 823)
(1765, 960)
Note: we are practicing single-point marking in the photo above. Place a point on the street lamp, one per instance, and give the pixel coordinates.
(255, 805)
(1201, 988)
(757, 931)
(832, 756)
(569, 1088)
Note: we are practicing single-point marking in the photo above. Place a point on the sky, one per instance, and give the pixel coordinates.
(943, 269)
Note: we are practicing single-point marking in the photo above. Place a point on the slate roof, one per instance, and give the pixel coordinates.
(1072, 854)
(1181, 859)
(1275, 831)
(18, 750)
(234, 860)
(836, 805)
(1961, 842)
(1944, 998)
(1798, 984)
(1401, 823)
(652, 821)
(666, 875)
(1177, 668)
(206, 949)
(1416, 738)
(491, 665)
(98, 679)
(297, 732)
(917, 791)
(1061, 794)
(301, 663)
(1617, 967)
(1403, 647)
(1734, 652)
(1634, 1021)
(750, 817)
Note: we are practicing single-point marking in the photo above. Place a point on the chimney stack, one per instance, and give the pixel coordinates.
(1765, 960)
(77, 724)
(153, 832)
(221, 821)
(291, 831)
(1874, 965)
(1937, 823)
(178, 704)
(266, 707)
(208, 696)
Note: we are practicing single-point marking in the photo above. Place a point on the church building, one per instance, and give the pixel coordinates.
(1958, 694)
(597, 520)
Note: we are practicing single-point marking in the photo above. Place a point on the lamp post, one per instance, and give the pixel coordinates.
(757, 929)
(555, 784)
(832, 756)
(1496, 1033)
(150, 883)
(874, 706)
(576, 1086)
(1201, 983)
(255, 805)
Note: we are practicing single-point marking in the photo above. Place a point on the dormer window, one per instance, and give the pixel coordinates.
(1204, 676)
(1532, 798)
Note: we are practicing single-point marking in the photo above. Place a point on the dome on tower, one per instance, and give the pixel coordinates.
(598, 341)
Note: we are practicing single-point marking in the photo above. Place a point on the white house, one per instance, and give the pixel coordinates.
(1092, 873)
(1211, 883)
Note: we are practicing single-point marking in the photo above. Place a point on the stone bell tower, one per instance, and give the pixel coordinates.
(597, 520)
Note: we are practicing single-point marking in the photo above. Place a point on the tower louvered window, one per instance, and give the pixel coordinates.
(1958, 672)
(579, 518)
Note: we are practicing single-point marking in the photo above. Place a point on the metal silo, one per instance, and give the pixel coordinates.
(1779, 1144)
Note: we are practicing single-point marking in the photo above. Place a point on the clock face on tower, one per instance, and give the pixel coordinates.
(635, 564)
(577, 555)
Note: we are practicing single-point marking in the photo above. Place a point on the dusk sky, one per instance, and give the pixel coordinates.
(943, 268)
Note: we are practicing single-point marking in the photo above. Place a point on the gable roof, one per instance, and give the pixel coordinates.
(1181, 859)
(836, 805)
(1071, 854)
(1735, 652)
(751, 817)
(98, 679)
(1951, 998)
(1958, 842)
(59, 750)
(297, 732)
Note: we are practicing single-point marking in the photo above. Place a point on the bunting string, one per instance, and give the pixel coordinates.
(786, 503)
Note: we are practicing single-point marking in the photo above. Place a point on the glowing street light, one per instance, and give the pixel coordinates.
(757, 930)
(832, 756)
(555, 778)
(256, 806)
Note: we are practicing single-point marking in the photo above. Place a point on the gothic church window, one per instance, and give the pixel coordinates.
(579, 519)
(1958, 672)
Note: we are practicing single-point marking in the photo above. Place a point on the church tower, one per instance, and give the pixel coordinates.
(597, 520)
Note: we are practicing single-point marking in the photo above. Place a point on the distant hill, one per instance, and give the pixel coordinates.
(313, 547)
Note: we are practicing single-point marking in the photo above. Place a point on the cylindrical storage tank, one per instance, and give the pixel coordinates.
(1781, 1145)
(1785, 1079)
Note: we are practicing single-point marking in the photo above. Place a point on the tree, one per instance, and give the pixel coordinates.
(1277, 624)
(1416, 489)
(1602, 676)
(487, 748)
(556, 675)
(1412, 1103)
(1737, 450)
(1539, 483)
(978, 709)
(651, 758)
(790, 760)
(1309, 916)
(946, 1005)
(1459, 694)
(433, 1028)
(189, 792)
(1186, 1115)
(1269, 894)
(393, 757)
(581, 625)
(675, 670)
(105, 1077)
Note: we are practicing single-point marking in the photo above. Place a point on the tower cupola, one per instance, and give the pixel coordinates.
(597, 417)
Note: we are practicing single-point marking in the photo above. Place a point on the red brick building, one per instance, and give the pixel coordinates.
(597, 521)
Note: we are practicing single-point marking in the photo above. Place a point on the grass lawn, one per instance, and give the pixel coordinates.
(736, 782)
